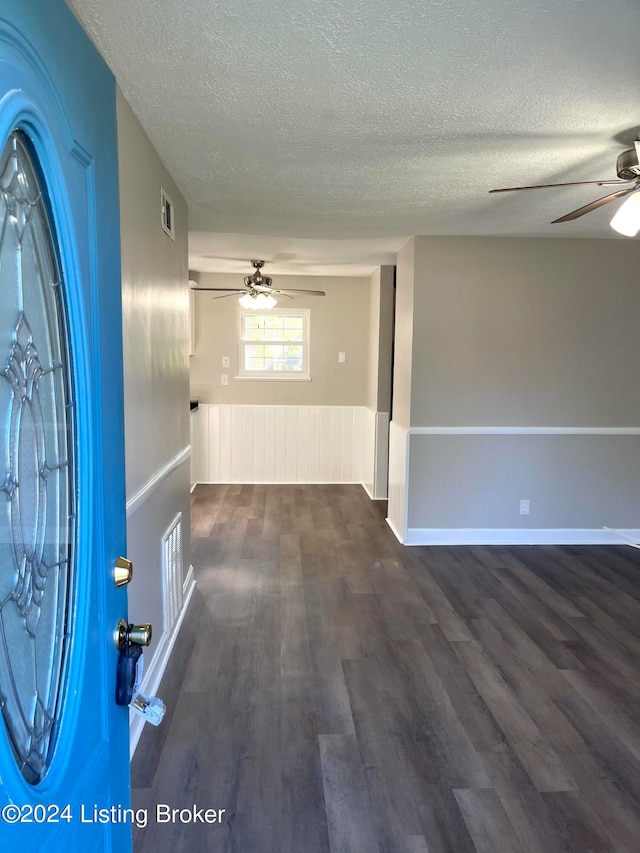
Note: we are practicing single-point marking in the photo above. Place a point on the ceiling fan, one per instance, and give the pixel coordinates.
(258, 291)
(628, 170)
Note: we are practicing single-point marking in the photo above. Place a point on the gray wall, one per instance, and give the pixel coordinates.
(380, 339)
(339, 322)
(404, 330)
(477, 481)
(520, 332)
(532, 332)
(156, 365)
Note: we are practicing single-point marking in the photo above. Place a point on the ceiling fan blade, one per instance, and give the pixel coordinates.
(595, 204)
(612, 182)
(226, 295)
(308, 292)
(221, 289)
(261, 289)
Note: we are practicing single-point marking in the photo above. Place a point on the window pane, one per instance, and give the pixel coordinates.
(254, 364)
(294, 358)
(273, 322)
(251, 328)
(254, 351)
(293, 334)
(293, 322)
(272, 351)
(273, 334)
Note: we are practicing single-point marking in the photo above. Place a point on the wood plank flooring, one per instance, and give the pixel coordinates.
(335, 692)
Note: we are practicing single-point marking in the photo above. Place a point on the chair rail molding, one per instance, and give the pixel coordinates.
(134, 503)
(522, 430)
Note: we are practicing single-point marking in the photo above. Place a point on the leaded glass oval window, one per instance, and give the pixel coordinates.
(37, 491)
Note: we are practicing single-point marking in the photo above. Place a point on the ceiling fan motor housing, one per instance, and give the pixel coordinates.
(257, 280)
(627, 165)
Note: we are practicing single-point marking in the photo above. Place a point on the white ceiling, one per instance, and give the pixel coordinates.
(321, 134)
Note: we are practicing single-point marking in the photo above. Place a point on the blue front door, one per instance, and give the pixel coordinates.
(64, 757)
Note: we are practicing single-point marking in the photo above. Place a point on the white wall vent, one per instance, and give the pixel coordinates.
(166, 212)
(172, 573)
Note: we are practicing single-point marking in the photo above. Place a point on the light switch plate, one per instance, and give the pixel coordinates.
(224, 379)
(342, 357)
(225, 361)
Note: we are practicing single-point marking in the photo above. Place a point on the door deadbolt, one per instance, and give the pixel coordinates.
(123, 571)
(139, 635)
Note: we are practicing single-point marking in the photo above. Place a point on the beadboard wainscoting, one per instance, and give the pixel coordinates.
(375, 460)
(398, 480)
(381, 457)
(289, 444)
(193, 432)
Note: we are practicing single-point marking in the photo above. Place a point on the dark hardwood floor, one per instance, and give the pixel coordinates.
(335, 692)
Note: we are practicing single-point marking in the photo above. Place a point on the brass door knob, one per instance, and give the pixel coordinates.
(139, 635)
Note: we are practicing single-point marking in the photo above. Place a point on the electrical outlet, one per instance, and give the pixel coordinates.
(224, 379)
(225, 361)
(524, 506)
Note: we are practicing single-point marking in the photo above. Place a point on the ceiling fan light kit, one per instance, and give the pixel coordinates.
(257, 301)
(627, 219)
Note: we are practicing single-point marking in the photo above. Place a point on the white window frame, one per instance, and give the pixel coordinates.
(272, 375)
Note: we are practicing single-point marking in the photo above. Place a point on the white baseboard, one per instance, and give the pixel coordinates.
(395, 531)
(154, 672)
(517, 536)
(370, 495)
(231, 482)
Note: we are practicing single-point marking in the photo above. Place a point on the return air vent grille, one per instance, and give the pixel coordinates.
(167, 217)
(172, 573)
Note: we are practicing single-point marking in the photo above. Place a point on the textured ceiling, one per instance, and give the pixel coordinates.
(334, 120)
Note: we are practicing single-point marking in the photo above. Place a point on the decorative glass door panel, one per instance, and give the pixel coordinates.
(37, 449)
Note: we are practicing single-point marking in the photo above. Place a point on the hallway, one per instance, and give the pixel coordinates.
(336, 692)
